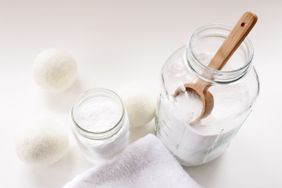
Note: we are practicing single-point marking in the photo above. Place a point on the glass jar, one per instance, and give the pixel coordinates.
(234, 89)
(100, 124)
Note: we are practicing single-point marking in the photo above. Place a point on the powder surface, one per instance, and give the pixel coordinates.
(98, 114)
(188, 106)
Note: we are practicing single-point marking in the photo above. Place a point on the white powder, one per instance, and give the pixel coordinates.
(103, 116)
(187, 106)
(98, 114)
(191, 144)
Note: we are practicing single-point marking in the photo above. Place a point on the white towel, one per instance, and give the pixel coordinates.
(144, 164)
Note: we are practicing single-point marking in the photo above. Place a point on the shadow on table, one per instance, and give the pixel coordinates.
(59, 173)
(206, 173)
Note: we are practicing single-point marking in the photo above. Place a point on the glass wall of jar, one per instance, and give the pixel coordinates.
(234, 89)
(100, 124)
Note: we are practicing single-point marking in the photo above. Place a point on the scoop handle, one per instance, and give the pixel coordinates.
(230, 45)
(233, 40)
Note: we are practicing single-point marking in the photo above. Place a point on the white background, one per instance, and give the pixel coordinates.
(115, 42)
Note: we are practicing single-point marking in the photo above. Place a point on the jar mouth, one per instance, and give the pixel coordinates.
(107, 133)
(217, 32)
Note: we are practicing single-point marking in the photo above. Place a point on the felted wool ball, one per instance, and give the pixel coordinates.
(140, 106)
(54, 70)
(43, 143)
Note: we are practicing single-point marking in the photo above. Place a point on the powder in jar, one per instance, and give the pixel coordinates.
(187, 106)
(191, 143)
(100, 124)
(98, 114)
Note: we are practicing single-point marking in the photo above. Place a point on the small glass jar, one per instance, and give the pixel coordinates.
(100, 124)
(234, 88)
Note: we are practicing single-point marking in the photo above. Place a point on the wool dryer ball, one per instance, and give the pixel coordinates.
(43, 143)
(54, 70)
(140, 105)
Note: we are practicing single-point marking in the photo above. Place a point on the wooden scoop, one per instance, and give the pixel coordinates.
(229, 46)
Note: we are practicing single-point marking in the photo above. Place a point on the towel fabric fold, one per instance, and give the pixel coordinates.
(144, 164)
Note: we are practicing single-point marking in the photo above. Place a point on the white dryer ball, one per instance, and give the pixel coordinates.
(140, 107)
(54, 70)
(43, 143)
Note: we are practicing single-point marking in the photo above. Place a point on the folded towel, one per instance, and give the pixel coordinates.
(144, 164)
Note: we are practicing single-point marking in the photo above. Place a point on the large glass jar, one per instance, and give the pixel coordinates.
(234, 89)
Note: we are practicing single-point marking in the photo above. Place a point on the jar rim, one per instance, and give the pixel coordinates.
(219, 27)
(99, 134)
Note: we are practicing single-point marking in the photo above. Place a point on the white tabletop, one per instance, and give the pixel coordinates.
(115, 42)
